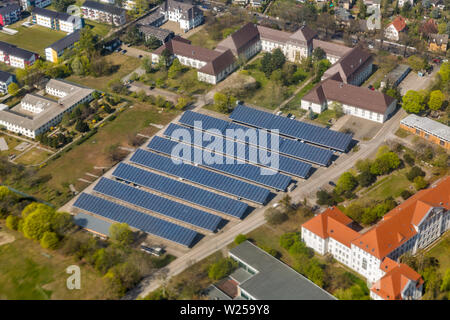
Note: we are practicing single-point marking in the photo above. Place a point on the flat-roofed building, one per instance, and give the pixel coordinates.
(428, 129)
(264, 277)
(37, 114)
(57, 49)
(93, 224)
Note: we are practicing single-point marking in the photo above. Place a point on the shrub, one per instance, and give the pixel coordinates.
(365, 178)
(420, 183)
(288, 239)
(221, 268)
(240, 238)
(12, 222)
(415, 172)
(409, 159)
(406, 194)
(49, 240)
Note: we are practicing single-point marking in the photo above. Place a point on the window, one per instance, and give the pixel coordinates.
(442, 142)
(364, 264)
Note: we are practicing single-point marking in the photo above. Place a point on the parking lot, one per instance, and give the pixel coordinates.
(414, 82)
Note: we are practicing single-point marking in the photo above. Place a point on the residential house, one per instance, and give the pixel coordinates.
(438, 42)
(411, 226)
(59, 21)
(392, 31)
(36, 114)
(6, 79)
(186, 14)
(57, 49)
(9, 14)
(103, 13)
(16, 57)
(433, 131)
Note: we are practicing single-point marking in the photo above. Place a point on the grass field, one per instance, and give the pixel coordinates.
(202, 39)
(34, 39)
(93, 152)
(33, 156)
(12, 143)
(28, 272)
(124, 64)
(441, 251)
(390, 186)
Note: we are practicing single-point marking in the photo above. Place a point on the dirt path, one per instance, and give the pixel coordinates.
(6, 238)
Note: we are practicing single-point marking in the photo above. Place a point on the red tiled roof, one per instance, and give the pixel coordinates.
(398, 226)
(219, 64)
(391, 285)
(240, 40)
(399, 23)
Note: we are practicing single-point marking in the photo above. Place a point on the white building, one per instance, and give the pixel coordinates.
(187, 15)
(37, 114)
(104, 13)
(392, 31)
(411, 226)
(56, 20)
(16, 57)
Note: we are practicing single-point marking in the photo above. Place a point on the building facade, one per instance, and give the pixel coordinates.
(433, 131)
(9, 14)
(6, 79)
(56, 20)
(35, 3)
(186, 14)
(16, 57)
(57, 49)
(105, 13)
(411, 226)
(392, 31)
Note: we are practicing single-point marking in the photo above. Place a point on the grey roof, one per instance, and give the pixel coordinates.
(9, 8)
(15, 51)
(151, 18)
(103, 7)
(240, 275)
(397, 73)
(214, 293)
(160, 34)
(92, 223)
(51, 14)
(275, 280)
(52, 108)
(427, 125)
(67, 41)
(4, 76)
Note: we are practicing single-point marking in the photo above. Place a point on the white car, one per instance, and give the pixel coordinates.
(279, 113)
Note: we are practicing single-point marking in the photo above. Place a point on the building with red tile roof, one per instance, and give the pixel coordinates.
(413, 225)
(392, 31)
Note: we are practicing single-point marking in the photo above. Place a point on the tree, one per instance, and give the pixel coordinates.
(365, 178)
(346, 182)
(12, 222)
(153, 43)
(77, 66)
(240, 238)
(37, 223)
(81, 126)
(385, 163)
(221, 268)
(405, 194)
(413, 102)
(133, 36)
(175, 69)
(287, 240)
(445, 286)
(13, 89)
(436, 100)
(164, 59)
(224, 102)
(417, 63)
(325, 198)
(415, 172)
(362, 8)
(87, 41)
(49, 240)
(121, 233)
(444, 72)
(420, 183)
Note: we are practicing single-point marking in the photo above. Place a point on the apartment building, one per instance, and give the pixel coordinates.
(34, 3)
(103, 13)
(186, 14)
(57, 49)
(126, 4)
(6, 79)
(413, 225)
(428, 129)
(59, 21)
(37, 114)
(16, 57)
(9, 14)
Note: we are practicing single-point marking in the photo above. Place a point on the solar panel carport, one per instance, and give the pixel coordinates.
(292, 148)
(201, 176)
(292, 128)
(242, 170)
(160, 205)
(136, 219)
(285, 165)
(180, 190)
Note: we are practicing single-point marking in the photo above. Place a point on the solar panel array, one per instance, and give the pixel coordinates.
(292, 148)
(242, 151)
(246, 171)
(201, 176)
(155, 203)
(136, 219)
(180, 190)
(292, 128)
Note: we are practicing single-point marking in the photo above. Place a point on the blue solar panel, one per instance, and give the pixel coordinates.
(136, 219)
(180, 190)
(246, 152)
(292, 128)
(155, 203)
(201, 176)
(293, 148)
(246, 171)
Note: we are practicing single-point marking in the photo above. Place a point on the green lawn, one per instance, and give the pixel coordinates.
(124, 64)
(293, 106)
(35, 38)
(202, 39)
(441, 251)
(100, 29)
(12, 143)
(28, 272)
(33, 156)
(390, 186)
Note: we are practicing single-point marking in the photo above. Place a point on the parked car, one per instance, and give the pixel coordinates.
(289, 115)
(279, 113)
(331, 183)
(292, 117)
(140, 56)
